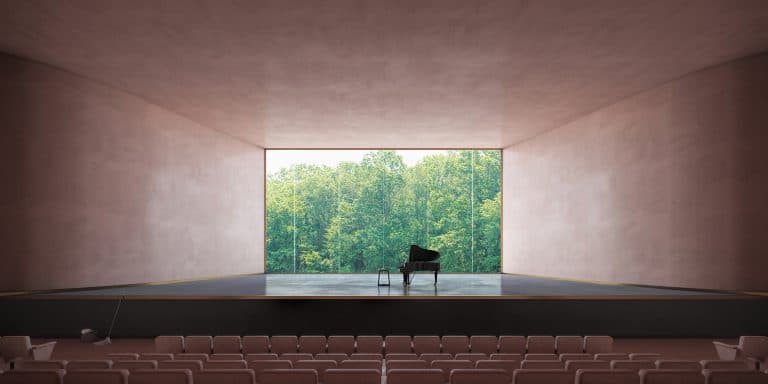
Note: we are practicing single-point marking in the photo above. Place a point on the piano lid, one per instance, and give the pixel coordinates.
(421, 254)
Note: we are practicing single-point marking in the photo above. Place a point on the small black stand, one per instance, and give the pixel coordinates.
(383, 270)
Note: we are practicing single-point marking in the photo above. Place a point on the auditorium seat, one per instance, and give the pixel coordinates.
(598, 344)
(225, 376)
(456, 344)
(294, 357)
(191, 356)
(678, 364)
(576, 356)
(366, 356)
(575, 365)
(542, 364)
(312, 344)
(755, 347)
(415, 376)
(51, 376)
(134, 365)
(97, 376)
(192, 365)
(512, 344)
(352, 376)
(122, 356)
(160, 376)
(261, 356)
(540, 344)
(255, 344)
(20, 347)
(671, 376)
(726, 364)
(288, 376)
(612, 356)
(645, 356)
(448, 365)
(42, 365)
(341, 344)
(260, 365)
(78, 365)
(198, 344)
(156, 356)
(225, 364)
(426, 344)
(541, 356)
(397, 344)
(569, 344)
(606, 376)
(402, 356)
(320, 366)
(484, 344)
(284, 344)
(337, 357)
(508, 365)
(169, 344)
(430, 357)
(480, 376)
(361, 364)
(633, 365)
(227, 344)
(473, 357)
(226, 356)
(729, 376)
(406, 364)
(506, 356)
(543, 376)
(370, 344)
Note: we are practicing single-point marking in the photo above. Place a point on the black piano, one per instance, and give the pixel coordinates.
(420, 259)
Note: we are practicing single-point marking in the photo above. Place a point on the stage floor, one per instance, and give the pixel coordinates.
(356, 286)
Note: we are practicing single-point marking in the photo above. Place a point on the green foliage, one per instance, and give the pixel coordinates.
(359, 217)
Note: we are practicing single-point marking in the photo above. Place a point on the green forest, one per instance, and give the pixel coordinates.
(361, 216)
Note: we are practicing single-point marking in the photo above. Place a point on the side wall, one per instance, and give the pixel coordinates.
(103, 188)
(669, 187)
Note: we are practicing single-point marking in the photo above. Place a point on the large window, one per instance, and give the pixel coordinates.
(348, 211)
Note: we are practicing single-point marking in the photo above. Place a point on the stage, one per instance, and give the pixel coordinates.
(355, 304)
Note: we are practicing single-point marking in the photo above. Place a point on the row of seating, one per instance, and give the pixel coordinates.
(395, 376)
(315, 344)
(21, 347)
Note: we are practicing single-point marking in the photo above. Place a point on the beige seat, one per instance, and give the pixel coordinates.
(97, 376)
(575, 365)
(225, 376)
(543, 376)
(455, 344)
(576, 356)
(352, 376)
(480, 376)
(294, 357)
(512, 344)
(671, 376)
(402, 356)
(224, 364)
(407, 364)
(227, 344)
(507, 356)
(156, 356)
(134, 365)
(320, 366)
(288, 376)
(42, 365)
(226, 356)
(598, 344)
(261, 365)
(541, 356)
(727, 376)
(362, 364)
(448, 365)
(312, 344)
(606, 376)
(726, 364)
(341, 344)
(678, 364)
(470, 356)
(645, 356)
(484, 344)
(192, 365)
(122, 356)
(192, 356)
(633, 365)
(749, 347)
(261, 356)
(77, 365)
(160, 376)
(366, 356)
(430, 357)
(337, 357)
(54, 376)
(612, 356)
(198, 344)
(369, 344)
(20, 347)
(284, 344)
(255, 344)
(169, 344)
(415, 376)
(540, 344)
(542, 364)
(398, 344)
(569, 344)
(508, 365)
(426, 344)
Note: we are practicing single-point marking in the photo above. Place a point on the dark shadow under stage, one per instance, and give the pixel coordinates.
(355, 304)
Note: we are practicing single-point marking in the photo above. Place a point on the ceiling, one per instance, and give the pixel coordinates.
(376, 74)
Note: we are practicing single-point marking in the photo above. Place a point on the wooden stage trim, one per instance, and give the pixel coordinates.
(347, 297)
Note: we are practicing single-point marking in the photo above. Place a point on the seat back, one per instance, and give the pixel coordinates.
(726, 364)
(369, 344)
(540, 344)
(312, 344)
(134, 365)
(198, 344)
(42, 365)
(366, 356)
(361, 364)
(294, 357)
(448, 365)
(575, 365)
(415, 376)
(508, 365)
(671, 376)
(598, 344)
(51, 376)
(14, 347)
(569, 344)
(678, 364)
(225, 376)
(352, 376)
(283, 344)
(430, 357)
(576, 356)
(122, 356)
(426, 344)
(255, 344)
(407, 364)
(541, 356)
(728, 376)
(191, 356)
(227, 344)
(645, 356)
(754, 346)
(456, 344)
(225, 364)
(341, 344)
(156, 356)
(261, 356)
(320, 366)
(337, 357)
(226, 356)
(606, 376)
(160, 376)
(470, 356)
(97, 376)
(77, 365)
(261, 365)
(542, 364)
(512, 344)
(402, 356)
(543, 376)
(480, 376)
(507, 356)
(192, 365)
(288, 376)
(169, 344)
(398, 344)
(633, 365)
(484, 344)
(612, 356)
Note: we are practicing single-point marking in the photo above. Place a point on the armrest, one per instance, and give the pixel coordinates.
(43, 351)
(726, 351)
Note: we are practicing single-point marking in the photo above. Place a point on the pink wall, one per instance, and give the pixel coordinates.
(669, 187)
(102, 188)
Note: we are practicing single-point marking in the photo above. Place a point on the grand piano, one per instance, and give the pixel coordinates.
(420, 259)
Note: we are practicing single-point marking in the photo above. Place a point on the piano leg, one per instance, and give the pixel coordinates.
(405, 278)
(435, 277)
